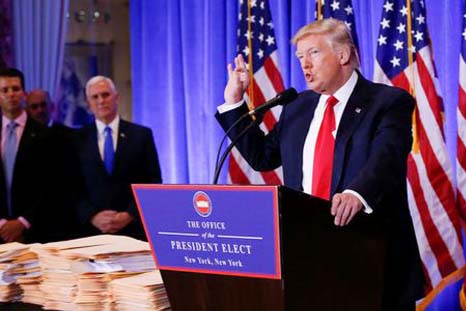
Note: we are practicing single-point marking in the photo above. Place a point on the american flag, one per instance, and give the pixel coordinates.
(461, 152)
(404, 59)
(461, 118)
(342, 10)
(256, 41)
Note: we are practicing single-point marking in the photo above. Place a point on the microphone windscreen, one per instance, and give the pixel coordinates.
(288, 95)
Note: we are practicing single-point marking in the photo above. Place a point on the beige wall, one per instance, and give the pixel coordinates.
(116, 31)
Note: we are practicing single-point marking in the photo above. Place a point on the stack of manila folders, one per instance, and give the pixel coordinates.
(104, 272)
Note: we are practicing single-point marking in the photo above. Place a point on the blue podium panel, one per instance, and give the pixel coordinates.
(230, 230)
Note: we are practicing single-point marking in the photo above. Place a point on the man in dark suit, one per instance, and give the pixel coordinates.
(22, 177)
(60, 223)
(113, 154)
(347, 140)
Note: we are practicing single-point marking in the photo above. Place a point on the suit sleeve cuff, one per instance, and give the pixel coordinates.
(227, 107)
(24, 221)
(367, 208)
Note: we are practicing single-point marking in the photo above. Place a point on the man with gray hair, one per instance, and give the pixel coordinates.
(345, 140)
(113, 154)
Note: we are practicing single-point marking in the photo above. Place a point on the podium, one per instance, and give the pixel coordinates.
(319, 266)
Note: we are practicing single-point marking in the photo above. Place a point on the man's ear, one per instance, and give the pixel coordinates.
(344, 54)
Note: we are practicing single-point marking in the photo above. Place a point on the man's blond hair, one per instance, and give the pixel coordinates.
(337, 32)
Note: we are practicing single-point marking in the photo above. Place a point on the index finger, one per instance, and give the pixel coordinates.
(240, 63)
(336, 201)
(230, 70)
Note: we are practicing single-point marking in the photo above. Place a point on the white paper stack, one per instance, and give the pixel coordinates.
(141, 292)
(77, 273)
(19, 273)
(28, 276)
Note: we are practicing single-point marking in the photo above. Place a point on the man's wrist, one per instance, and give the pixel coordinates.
(227, 107)
(24, 222)
(366, 208)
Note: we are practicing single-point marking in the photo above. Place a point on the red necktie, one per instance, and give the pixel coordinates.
(323, 154)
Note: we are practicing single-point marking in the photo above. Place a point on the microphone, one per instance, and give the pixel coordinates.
(282, 98)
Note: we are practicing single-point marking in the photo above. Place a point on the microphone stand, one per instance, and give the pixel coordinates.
(218, 168)
(226, 135)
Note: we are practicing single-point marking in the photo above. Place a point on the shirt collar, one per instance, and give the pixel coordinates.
(344, 92)
(113, 125)
(21, 119)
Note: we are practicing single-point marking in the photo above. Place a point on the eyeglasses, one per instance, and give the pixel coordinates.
(35, 106)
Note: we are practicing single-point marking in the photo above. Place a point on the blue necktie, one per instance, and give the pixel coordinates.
(9, 156)
(108, 150)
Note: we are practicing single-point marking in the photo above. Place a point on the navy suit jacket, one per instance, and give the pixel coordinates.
(60, 222)
(135, 161)
(371, 148)
(30, 178)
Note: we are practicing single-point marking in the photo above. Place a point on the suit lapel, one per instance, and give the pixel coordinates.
(122, 144)
(354, 112)
(3, 210)
(28, 137)
(93, 147)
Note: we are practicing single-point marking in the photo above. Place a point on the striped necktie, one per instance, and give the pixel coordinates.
(9, 156)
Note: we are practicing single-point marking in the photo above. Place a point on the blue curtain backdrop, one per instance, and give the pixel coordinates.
(180, 50)
(39, 36)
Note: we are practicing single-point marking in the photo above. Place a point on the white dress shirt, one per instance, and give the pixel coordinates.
(342, 95)
(101, 134)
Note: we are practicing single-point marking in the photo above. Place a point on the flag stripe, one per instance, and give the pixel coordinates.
(436, 243)
(463, 78)
(461, 151)
(432, 272)
(461, 198)
(237, 175)
(429, 89)
(269, 119)
(274, 74)
(436, 176)
(461, 178)
(461, 143)
(462, 108)
(253, 176)
(461, 120)
(434, 136)
(401, 81)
